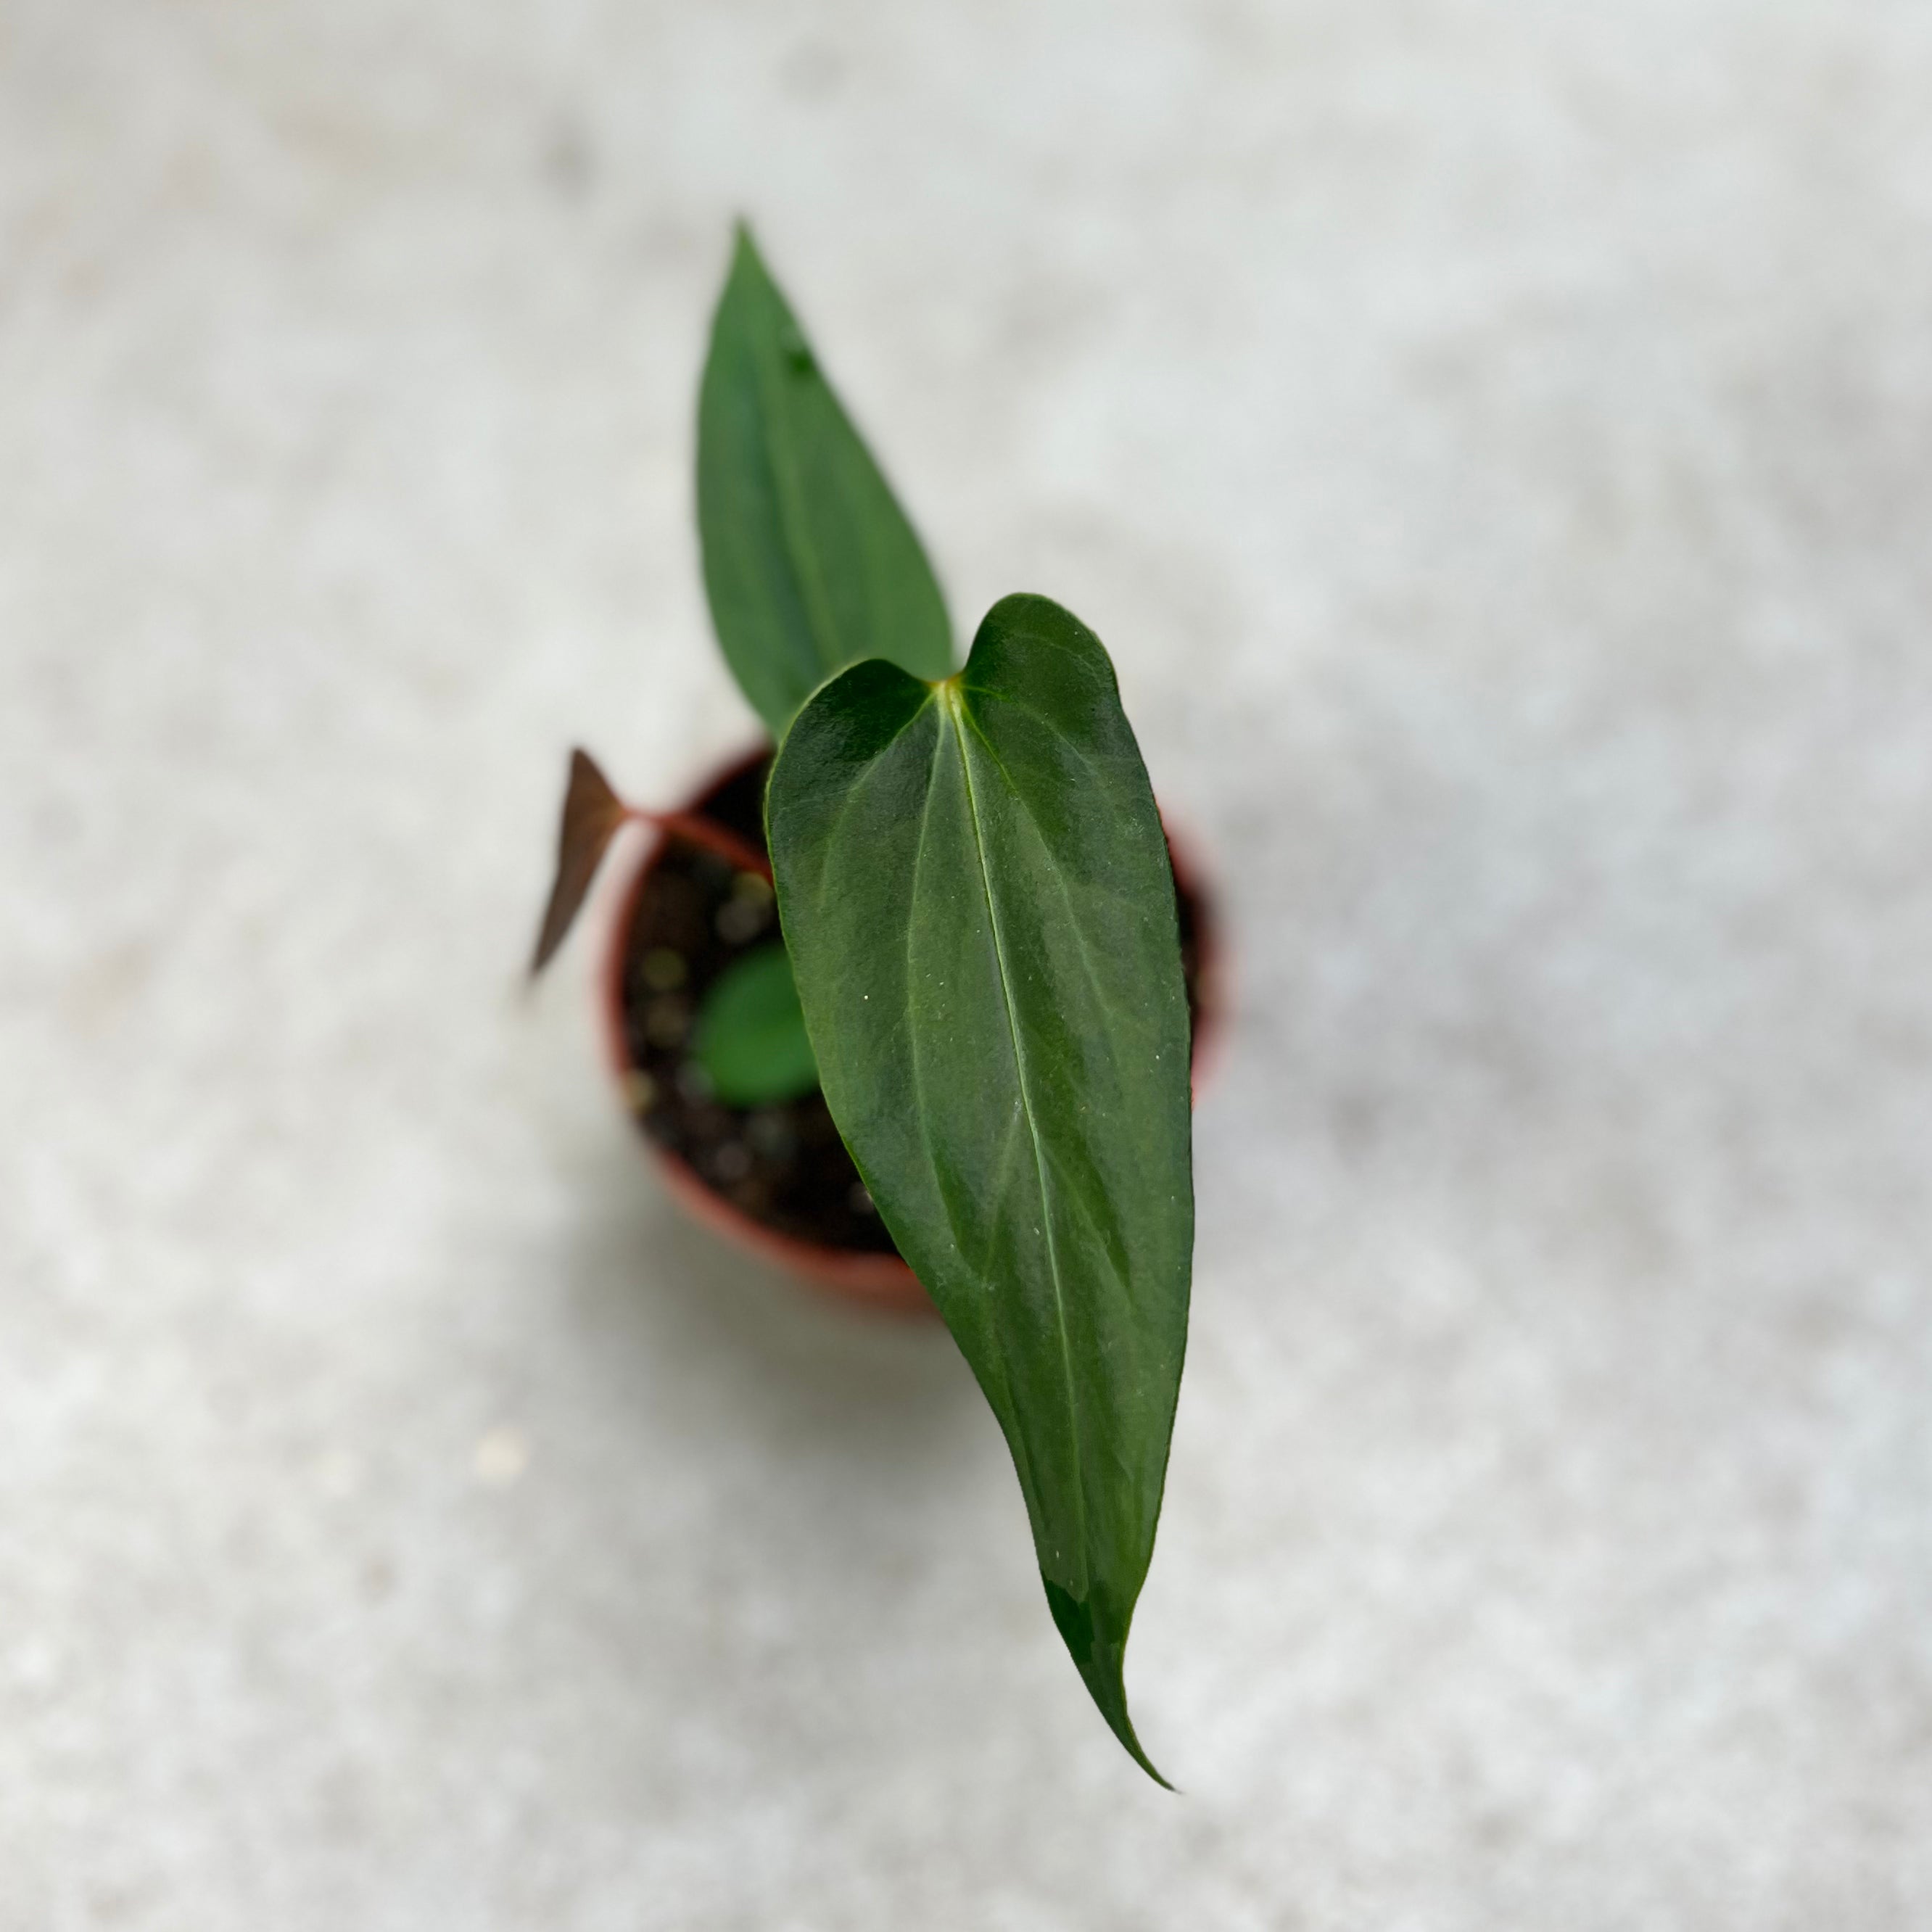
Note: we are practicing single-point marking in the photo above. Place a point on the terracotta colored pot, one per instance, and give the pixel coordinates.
(878, 1280)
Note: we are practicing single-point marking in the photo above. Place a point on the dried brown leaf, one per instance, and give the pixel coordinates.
(592, 814)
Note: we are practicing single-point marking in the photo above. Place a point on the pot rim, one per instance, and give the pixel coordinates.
(880, 1281)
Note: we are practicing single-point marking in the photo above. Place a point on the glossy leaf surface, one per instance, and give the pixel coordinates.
(809, 562)
(750, 1038)
(975, 888)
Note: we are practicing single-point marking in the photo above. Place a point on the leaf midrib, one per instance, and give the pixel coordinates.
(954, 705)
(821, 629)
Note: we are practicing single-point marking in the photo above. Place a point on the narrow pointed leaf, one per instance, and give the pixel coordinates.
(592, 814)
(976, 894)
(809, 562)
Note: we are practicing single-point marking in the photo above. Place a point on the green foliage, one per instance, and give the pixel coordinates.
(974, 885)
(809, 562)
(750, 1038)
(980, 959)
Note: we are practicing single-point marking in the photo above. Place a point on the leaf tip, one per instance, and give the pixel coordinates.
(744, 253)
(1097, 1642)
(1114, 1710)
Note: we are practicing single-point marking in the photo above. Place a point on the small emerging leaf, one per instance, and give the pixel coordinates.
(809, 562)
(592, 814)
(973, 881)
(751, 1038)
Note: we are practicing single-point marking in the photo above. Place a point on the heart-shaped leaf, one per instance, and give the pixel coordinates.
(809, 562)
(974, 887)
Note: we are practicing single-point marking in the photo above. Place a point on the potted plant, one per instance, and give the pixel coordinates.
(905, 1003)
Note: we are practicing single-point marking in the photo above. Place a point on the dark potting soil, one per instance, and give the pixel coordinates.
(785, 1165)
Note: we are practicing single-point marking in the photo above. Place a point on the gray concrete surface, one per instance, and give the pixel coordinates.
(1496, 442)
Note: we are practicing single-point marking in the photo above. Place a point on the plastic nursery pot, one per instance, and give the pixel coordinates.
(777, 1181)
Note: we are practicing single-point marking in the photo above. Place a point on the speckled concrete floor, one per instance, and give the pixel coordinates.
(1495, 440)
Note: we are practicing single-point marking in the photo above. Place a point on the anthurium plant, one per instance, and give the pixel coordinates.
(977, 958)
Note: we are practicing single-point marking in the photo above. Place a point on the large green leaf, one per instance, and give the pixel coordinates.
(809, 562)
(975, 891)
